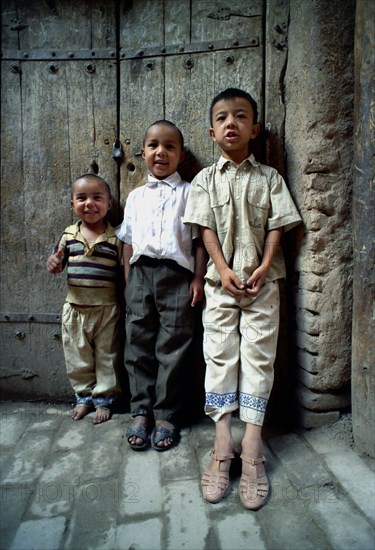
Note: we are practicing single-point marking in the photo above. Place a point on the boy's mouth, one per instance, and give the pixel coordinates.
(231, 135)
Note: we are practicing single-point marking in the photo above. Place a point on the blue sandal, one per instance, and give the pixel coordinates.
(142, 432)
(159, 434)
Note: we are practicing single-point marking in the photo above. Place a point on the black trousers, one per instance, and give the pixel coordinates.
(159, 331)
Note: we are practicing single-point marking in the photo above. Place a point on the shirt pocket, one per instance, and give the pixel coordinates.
(221, 209)
(258, 207)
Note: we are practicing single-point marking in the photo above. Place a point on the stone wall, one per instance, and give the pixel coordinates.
(319, 86)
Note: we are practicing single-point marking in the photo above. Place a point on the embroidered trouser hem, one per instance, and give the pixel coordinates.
(240, 340)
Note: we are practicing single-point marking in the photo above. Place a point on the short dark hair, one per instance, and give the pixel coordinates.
(231, 93)
(94, 177)
(165, 123)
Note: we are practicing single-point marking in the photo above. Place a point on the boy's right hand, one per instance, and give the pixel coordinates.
(54, 263)
(232, 284)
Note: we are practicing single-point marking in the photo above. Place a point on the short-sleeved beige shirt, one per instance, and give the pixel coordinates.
(242, 204)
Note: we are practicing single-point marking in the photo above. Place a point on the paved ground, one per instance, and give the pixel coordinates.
(73, 485)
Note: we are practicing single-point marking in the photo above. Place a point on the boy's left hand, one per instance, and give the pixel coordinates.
(256, 281)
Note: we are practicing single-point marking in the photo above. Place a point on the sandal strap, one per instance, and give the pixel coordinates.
(253, 461)
(220, 458)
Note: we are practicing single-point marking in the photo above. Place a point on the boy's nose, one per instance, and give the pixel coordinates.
(160, 151)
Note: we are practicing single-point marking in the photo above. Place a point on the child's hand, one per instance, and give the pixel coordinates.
(54, 263)
(256, 281)
(196, 291)
(232, 284)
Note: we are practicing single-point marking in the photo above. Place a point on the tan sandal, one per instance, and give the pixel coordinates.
(254, 487)
(215, 482)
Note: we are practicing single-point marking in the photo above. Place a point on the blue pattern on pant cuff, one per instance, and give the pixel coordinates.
(84, 400)
(252, 402)
(103, 401)
(220, 399)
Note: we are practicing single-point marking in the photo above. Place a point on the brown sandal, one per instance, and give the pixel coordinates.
(253, 488)
(215, 482)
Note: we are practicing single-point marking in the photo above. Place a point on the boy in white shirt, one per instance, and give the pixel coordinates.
(164, 263)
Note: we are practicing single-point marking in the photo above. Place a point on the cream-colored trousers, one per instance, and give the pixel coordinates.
(91, 348)
(240, 339)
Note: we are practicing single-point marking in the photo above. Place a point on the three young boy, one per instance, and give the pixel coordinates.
(242, 208)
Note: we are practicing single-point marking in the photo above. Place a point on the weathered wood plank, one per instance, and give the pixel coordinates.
(276, 51)
(91, 119)
(32, 365)
(66, 24)
(188, 93)
(9, 25)
(13, 263)
(141, 104)
(220, 19)
(141, 24)
(177, 22)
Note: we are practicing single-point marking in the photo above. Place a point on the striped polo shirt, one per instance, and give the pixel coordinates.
(93, 271)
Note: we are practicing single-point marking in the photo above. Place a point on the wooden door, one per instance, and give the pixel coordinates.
(58, 121)
(77, 77)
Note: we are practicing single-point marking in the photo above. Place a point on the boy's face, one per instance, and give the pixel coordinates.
(90, 200)
(162, 150)
(233, 127)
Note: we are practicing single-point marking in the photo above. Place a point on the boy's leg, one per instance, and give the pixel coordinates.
(259, 327)
(141, 326)
(176, 318)
(259, 331)
(221, 350)
(79, 358)
(107, 341)
(221, 347)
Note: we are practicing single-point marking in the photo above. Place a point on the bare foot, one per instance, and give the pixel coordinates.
(80, 411)
(102, 415)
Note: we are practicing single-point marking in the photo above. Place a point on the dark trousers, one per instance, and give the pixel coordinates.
(159, 331)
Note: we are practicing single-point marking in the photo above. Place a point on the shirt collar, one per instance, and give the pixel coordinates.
(223, 161)
(109, 231)
(173, 180)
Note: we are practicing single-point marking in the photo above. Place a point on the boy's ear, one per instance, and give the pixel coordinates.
(143, 153)
(71, 202)
(212, 134)
(256, 130)
(183, 155)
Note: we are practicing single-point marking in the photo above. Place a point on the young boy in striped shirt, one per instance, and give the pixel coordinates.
(90, 320)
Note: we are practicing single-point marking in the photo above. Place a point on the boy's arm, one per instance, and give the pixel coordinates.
(257, 279)
(127, 253)
(231, 283)
(196, 285)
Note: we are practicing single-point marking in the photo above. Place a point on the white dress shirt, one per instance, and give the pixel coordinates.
(153, 221)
